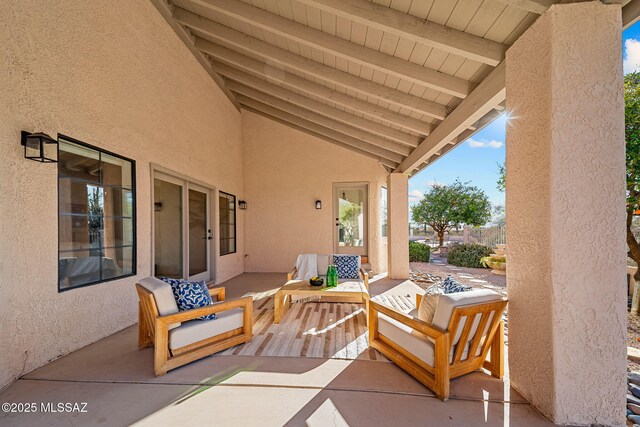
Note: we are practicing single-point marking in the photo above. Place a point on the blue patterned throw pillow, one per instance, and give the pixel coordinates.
(190, 295)
(450, 286)
(347, 266)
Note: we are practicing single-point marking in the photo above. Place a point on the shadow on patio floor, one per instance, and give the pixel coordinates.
(116, 381)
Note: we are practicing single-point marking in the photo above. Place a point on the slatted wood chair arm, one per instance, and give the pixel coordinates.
(246, 303)
(413, 322)
(218, 292)
(292, 273)
(365, 277)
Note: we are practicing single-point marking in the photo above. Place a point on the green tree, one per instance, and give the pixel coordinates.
(445, 207)
(632, 137)
(501, 184)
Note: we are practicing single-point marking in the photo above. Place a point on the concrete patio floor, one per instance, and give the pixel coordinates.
(116, 381)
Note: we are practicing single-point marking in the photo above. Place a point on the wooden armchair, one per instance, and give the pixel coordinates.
(434, 355)
(177, 338)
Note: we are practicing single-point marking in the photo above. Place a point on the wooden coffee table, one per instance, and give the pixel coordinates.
(352, 291)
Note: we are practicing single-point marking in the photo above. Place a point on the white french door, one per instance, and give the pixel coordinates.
(182, 228)
(351, 212)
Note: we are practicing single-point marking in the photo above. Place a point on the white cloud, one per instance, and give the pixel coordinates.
(631, 61)
(415, 195)
(474, 143)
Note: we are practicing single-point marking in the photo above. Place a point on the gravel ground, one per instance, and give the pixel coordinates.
(475, 277)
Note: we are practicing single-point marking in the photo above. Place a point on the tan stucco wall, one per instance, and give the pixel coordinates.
(286, 171)
(112, 74)
(565, 215)
(398, 236)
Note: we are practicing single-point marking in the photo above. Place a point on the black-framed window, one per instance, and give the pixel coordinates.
(227, 208)
(96, 215)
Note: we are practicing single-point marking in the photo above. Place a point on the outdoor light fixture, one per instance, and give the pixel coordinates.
(318, 204)
(39, 147)
(242, 204)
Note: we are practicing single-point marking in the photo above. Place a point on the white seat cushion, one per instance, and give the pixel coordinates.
(197, 330)
(447, 302)
(401, 334)
(411, 340)
(323, 264)
(163, 294)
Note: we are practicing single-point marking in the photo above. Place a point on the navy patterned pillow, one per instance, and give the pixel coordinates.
(450, 286)
(347, 266)
(190, 295)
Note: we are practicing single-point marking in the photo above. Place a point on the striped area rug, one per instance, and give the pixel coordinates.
(311, 329)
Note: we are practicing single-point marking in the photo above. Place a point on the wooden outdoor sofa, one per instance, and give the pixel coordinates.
(431, 353)
(323, 261)
(177, 338)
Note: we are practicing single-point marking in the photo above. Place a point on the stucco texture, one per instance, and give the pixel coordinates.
(112, 74)
(286, 171)
(565, 215)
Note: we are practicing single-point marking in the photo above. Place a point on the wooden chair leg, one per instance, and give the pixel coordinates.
(441, 372)
(496, 367)
(161, 350)
(144, 335)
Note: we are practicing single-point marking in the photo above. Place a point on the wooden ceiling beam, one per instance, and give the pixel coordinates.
(211, 30)
(397, 151)
(386, 163)
(413, 28)
(489, 93)
(280, 77)
(337, 46)
(239, 78)
(352, 143)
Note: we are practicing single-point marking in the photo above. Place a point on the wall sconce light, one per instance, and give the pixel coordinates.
(242, 204)
(318, 204)
(39, 147)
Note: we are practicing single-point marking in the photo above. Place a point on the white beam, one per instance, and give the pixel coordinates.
(534, 6)
(245, 43)
(630, 13)
(413, 28)
(489, 93)
(165, 11)
(386, 163)
(337, 46)
(315, 127)
(400, 150)
(277, 75)
(630, 9)
(314, 106)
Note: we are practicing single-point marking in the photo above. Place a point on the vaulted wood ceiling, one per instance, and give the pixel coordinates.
(402, 81)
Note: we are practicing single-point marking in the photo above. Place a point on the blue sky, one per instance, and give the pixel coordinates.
(476, 159)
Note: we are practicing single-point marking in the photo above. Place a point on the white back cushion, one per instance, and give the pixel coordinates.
(447, 302)
(162, 293)
(323, 264)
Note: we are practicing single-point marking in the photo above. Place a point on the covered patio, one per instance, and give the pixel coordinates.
(216, 140)
(248, 390)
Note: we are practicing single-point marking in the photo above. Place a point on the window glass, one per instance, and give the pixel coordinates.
(227, 208)
(96, 206)
(383, 210)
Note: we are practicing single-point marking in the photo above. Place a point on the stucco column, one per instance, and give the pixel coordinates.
(565, 202)
(398, 225)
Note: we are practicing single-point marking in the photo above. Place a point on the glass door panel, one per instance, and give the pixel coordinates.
(351, 210)
(168, 229)
(199, 234)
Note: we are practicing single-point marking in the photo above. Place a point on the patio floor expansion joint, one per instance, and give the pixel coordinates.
(356, 390)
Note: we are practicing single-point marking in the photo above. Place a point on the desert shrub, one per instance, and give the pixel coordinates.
(468, 255)
(419, 252)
